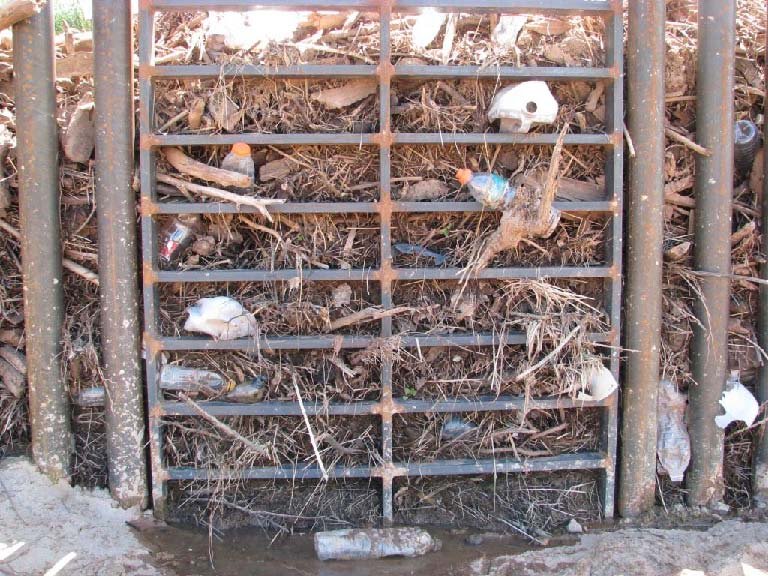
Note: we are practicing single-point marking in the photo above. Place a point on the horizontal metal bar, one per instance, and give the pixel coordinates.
(355, 207)
(584, 461)
(367, 274)
(499, 138)
(409, 71)
(256, 139)
(363, 408)
(369, 139)
(309, 472)
(331, 342)
(575, 7)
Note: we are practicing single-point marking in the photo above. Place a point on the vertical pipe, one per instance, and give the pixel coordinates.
(116, 211)
(645, 234)
(761, 451)
(714, 190)
(37, 155)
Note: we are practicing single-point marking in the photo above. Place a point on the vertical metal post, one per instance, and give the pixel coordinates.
(37, 151)
(116, 209)
(761, 451)
(645, 45)
(714, 190)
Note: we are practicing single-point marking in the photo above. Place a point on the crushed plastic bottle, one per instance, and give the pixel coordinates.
(240, 160)
(455, 426)
(746, 141)
(177, 236)
(91, 397)
(190, 380)
(491, 190)
(248, 392)
(673, 445)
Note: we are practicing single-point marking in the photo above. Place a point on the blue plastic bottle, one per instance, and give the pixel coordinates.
(491, 190)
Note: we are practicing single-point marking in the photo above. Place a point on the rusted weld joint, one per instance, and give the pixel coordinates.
(617, 138)
(157, 411)
(389, 471)
(146, 5)
(384, 139)
(385, 71)
(386, 408)
(386, 272)
(148, 208)
(152, 345)
(146, 71)
(148, 142)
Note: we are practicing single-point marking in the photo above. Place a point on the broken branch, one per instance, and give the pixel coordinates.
(187, 165)
(366, 315)
(14, 11)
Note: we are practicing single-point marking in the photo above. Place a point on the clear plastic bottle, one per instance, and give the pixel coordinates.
(190, 380)
(177, 235)
(239, 160)
(491, 190)
(673, 445)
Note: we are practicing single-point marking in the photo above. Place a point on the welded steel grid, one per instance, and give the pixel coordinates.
(602, 460)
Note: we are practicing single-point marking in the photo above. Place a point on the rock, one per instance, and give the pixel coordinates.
(424, 190)
(342, 295)
(678, 251)
(474, 539)
(275, 170)
(366, 544)
(343, 96)
(78, 140)
(548, 26)
(574, 527)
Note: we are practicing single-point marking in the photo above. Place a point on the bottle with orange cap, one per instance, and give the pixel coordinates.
(240, 160)
(491, 190)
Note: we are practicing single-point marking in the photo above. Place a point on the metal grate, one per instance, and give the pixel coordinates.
(602, 460)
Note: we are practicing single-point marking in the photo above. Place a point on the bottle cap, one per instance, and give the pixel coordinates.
(241, 149)
(463, 175)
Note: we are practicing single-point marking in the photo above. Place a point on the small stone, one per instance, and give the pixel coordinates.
(721, 508)
(574, 527)
(474, 539)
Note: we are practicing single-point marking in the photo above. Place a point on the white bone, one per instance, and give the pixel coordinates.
(521, 105)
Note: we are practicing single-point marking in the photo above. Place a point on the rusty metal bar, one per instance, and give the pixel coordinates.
(582, 461)
(760, 472)
(400, 406)
(36, 153)
(365, 274)
(548, 73)
(608, 207)
(645, 45)
(590, 7)
(118, 279)
(714, 195)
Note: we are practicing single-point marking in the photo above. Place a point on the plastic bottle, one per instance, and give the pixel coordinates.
(192, 380)
(177, 236)
(491, 190)
(239, 160)
(745, 144)
(673, 445)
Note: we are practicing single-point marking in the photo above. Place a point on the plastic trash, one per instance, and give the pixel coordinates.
(370, 543)
(221, 317)
(240, 160)
(416, 250)
(427, 27)
(177, 236)
(738, 402)
(491, 190)
(190, 380)
(90, 397)
(248, 392)
(600, 383)
(455, 426)
(253, 28)
(521, 105)
(673, 445)
(746, 142)
(507, 30)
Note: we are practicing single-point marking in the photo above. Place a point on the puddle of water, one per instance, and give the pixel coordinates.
(250, 551)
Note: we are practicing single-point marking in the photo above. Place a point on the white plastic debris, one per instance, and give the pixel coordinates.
(574, 527)
(738, 402)
(599, 382)
(521, 105)
(244, 30)
(220, 317)
(427, 27)
(364, 544)
(673, 445)
(507, 30)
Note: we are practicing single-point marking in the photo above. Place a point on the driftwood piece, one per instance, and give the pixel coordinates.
(190, 167)
(13, 11)
(366, 315)
(238, 199)
(343, 96)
